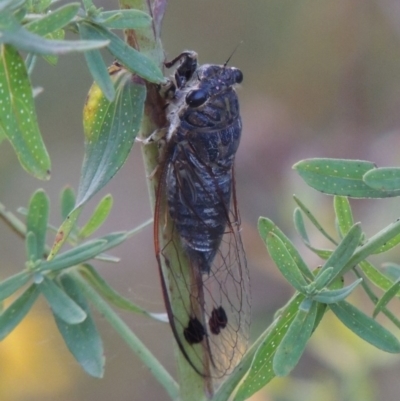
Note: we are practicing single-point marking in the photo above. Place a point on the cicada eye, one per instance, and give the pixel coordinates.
(196, 98)
(238, 76)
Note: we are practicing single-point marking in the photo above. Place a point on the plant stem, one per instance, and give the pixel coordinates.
(374, 299)
(158, 371)
(147, 40)
(373, 243)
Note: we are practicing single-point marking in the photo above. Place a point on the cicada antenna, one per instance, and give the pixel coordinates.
(233, 52)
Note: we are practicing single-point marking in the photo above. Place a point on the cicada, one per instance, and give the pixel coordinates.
(197, 225)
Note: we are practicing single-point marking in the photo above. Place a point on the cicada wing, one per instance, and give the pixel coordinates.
(209, 311)
(180, 286)
(227, 302)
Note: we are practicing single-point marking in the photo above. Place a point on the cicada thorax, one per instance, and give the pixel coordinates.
(201, 217)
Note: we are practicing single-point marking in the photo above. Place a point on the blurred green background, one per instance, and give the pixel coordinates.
(321, 79)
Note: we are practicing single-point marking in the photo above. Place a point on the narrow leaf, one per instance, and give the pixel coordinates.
(18, 115)
(16, 35)
(13, 315)
(334, 296)
(94, 278)
(301, 230)
(383, 178)
(345, 250)
(391, 270)
(340, 177)
(56, 35)
(313, 220)
(97, 67)
(82, 339)
(67, 200)
(344, 215)
(99, 71)
(63, 232)
(386, 298)
(110, 131)
(323, 277)
(265, 226)
(99, 216)
(31, 246)
(37, 6)
(53, 21)
(375, 275)
(284, 261)
(261, 371)
(299, 225)
(8, 4)
(83, 252)
(388, 245)
(365, 327)
(12, 284)
(133, 60)
(294, 342)
(61, 304)
(37, 219)
(124, 19)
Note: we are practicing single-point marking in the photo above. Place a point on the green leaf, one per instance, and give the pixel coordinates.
(97, 67)
(131, 58)
(61, 304)
(265, 226)
(285, 262)
(38, 6)
(53, 21)
(83, 252)
(391, 270)
(82, 339)
(340, 177)
(323, 277)
(261, 371)
(375, 276)
(299, 225)
(383, 178)
(37, 219)
(386, 298)
(13, 283)
(343, 213)
(10, 4)
(313, 220)
(13, 315)
(16, 35)
(110, 131)
(301, 230)
(94, 278)
(63, 232)
(67, 201)
(345, 250)
(294, 342)
(124, 19)
(334, 296)
(99, 216)
(365, 327)
(388, 245)
(18, 116)
(60, 34)
(31, 246)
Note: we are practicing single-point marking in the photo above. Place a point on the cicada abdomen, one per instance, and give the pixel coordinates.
(196, 211)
